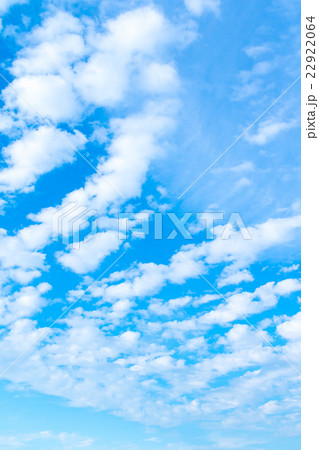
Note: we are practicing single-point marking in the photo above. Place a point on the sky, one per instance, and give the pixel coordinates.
(149, 224)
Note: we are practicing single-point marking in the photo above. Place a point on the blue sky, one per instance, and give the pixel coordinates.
(133, 342)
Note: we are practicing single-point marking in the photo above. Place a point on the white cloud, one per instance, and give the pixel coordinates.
(135, 144)
(43, 71)
(198, 7)
(257, 50)
(291, 328)
(2, 206)
(251, 82)
(23, 303)
(53, 26)
(51, 48)
(91, 253)
(104, 78)
(51, 63)
(168, 308)
(90, 364)
(236, 252)
(67, 65)
(18, 261)
(73, 440)
(195, 344)
(235, 278)
(291, 268)
(37, 152)
(63, 439)
(207, 298)
(246, 166)
(51, 96)
(242, 182)
(147, 280)
(159, 78)
(142, 29)
(268, 130)
(245, 304)
(236, 307)
(239, 253)
(119, 310)
(287, 286)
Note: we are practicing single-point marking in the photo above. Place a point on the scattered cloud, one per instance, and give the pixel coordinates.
(290, 268)
(268, 130)
(198, 7)
(256, 50)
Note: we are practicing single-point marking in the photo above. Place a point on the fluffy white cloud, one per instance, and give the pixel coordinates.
(18, 261)
(204, 299)
(37, 152)
(239, 253)
(23, 303)
(51, 48)
(67, 65)
(59, 23)
(159, 78)
(291, 328)
(91, 253)
(197, 344)
(135, 144)
(236, 277)
(148, 279)
(47, 95)
(245, 304)
(43, 71)
(104, 78)
(168, 308)
(237, 306)
(287, 286)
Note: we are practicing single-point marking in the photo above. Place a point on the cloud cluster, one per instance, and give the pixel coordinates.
(68, 68)
(236, 253)
(92, 362)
